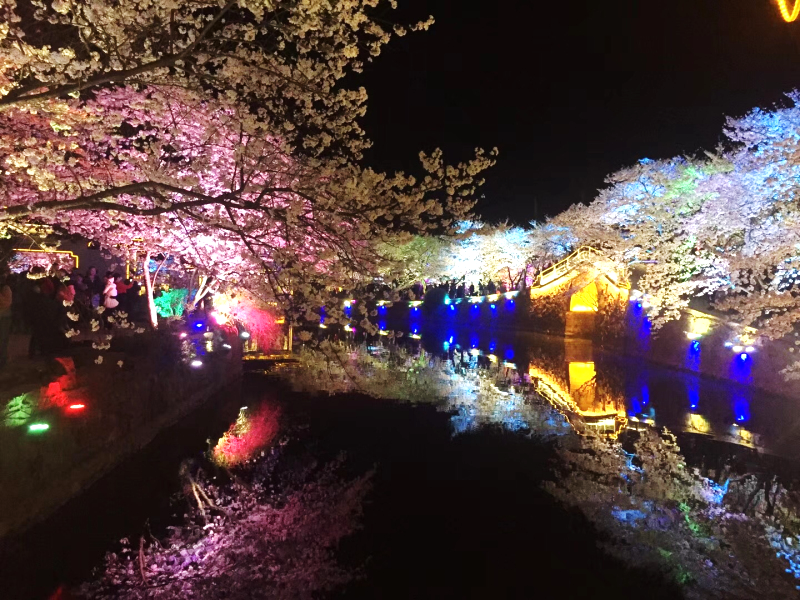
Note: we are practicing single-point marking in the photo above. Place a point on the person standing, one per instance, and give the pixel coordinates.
(95, 286)
(82, 295)
(123, 286)
(110, 292)
(5, 318)
(41, 317)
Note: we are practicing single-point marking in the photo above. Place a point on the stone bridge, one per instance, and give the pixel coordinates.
(589, 280)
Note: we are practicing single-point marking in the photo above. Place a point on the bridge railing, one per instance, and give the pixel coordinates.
(566, 265)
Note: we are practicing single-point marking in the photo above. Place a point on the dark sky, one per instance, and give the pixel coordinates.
(572, 90)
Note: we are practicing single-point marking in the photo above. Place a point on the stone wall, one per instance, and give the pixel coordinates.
(96, 415)
(709, 355)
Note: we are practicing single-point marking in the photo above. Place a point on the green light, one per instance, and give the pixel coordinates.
(38, 427)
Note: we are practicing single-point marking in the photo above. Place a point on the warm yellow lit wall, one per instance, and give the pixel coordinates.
(697, 325)
(584, 300)
(579, 374)
(581, 386)
(611, 292)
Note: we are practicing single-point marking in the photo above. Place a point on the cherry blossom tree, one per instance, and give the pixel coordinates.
(412, 259)
(724, 226)
(483, 252)
(222, 135)
(756, 220)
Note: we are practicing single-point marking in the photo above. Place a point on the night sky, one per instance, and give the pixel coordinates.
(571, 91)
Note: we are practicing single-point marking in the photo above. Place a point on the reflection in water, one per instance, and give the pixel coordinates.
(607, 392)
(693, 391)
(639, 322)
(485, 389)
(579, 397)
(693, 351)
(493, 393)
(582, 384)
(249, 434)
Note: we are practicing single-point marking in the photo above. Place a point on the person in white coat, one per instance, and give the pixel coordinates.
(110, 292)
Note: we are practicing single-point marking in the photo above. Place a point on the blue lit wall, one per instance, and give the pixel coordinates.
(693, 353)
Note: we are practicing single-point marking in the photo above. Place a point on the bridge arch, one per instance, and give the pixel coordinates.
(581, 285)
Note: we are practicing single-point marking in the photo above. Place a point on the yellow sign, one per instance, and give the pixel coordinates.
(45, 256)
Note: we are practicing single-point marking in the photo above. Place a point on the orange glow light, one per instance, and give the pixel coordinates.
(785, 13)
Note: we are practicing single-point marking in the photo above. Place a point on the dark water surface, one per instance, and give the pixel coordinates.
(450, 516)
(464, 516)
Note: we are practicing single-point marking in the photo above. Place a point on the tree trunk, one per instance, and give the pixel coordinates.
(203, 290)
(148, 287)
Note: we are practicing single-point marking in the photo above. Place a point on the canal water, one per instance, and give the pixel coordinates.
(601, 387)
(451, 516)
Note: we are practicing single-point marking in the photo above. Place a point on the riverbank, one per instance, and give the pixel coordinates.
(135, 495)
(63, 433)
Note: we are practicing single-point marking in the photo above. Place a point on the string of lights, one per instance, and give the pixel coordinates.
(787, 15)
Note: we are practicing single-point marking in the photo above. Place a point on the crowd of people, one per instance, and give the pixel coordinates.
(37, 302)
(460, 288)
(456, 288)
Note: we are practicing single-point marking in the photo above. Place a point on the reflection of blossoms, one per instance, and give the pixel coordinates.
(99, 360)
(658, 512)
(655, 510)
(246, 436)
(478, 396)
(260, 536)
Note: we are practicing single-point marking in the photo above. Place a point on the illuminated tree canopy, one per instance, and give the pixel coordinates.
(722, 228)
(224, 135)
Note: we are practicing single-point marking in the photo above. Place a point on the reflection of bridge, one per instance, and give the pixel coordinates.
(587, 408)
(578, 400)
